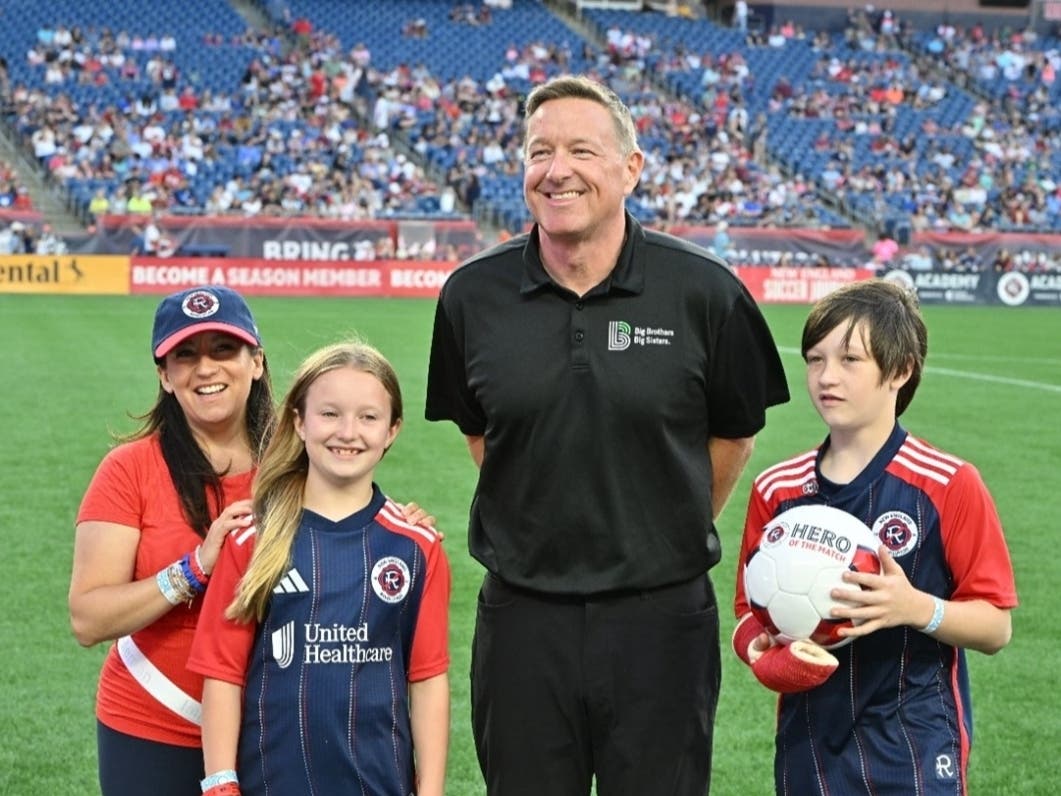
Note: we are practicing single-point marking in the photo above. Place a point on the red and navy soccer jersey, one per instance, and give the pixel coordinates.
(895, 718)
(360, 613)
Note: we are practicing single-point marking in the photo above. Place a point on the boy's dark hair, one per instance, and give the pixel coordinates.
(896, 335)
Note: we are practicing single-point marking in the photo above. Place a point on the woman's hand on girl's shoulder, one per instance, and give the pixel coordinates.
(412, 513)
(236, 515)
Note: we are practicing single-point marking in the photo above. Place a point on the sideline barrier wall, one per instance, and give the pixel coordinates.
(97, 274)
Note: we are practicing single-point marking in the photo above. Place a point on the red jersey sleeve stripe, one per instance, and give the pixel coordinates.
(934, 453)
(927, 462)
(791, 473)
(927, 472)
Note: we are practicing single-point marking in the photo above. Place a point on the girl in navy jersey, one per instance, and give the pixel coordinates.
(323, 639)
(890, 712)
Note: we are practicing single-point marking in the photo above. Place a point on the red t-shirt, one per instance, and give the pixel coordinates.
(132, 487)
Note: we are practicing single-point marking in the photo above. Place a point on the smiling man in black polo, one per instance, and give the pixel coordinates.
(610, 381)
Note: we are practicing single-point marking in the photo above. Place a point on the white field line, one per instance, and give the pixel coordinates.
(966, 374)
(974, 376)
(999, 358)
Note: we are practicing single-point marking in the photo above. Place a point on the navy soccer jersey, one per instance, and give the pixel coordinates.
(360, 613)
(895, 718)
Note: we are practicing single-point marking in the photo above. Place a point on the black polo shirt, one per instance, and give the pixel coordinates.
(596, 410)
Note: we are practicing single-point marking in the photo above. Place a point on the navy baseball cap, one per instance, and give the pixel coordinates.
(210, 308)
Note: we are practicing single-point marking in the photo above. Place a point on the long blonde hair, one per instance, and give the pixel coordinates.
(280, 483)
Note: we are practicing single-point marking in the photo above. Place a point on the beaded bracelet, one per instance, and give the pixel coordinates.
(180, 583)
(182, 580)
(197, 567)
(937, 616)
(166, 587)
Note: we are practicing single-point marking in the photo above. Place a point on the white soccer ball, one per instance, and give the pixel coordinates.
(801, 557)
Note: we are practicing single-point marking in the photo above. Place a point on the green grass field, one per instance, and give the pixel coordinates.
(74, 368)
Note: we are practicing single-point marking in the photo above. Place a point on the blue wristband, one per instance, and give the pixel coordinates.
(937, 617)
(189, 574)
(218, 778)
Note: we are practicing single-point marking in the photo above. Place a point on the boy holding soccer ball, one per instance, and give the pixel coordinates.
(890, 712)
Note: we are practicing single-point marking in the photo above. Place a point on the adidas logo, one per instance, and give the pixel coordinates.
(291, 583)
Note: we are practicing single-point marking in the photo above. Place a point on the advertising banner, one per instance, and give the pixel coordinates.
(948, 287)
(1010, 288)
(797, 285)
(68, 273)
(258, 277)
(1017, 289)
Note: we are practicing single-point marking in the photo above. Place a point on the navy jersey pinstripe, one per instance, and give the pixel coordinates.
(895, 718)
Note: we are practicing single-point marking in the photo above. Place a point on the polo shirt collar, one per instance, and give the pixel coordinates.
(628, 276)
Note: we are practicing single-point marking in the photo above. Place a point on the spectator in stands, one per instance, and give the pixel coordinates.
(569, 581)
(44, 143)
(415, 28)
(139, 202)
(302, 29)
(49, 242)
(11, 240)
(884, 250)
(469, 189)
(100, 204)
(721, 241)
(960, 218)
(920, 259)
(447, 200)
(119, 200)
(740, 15)
(152, 240)
(775, 38)
(995, 136)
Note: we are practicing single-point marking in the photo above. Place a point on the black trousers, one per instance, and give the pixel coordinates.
(619, 687)
(131, 766)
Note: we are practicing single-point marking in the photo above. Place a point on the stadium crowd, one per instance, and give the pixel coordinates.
(14, 195)
(313, 126)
